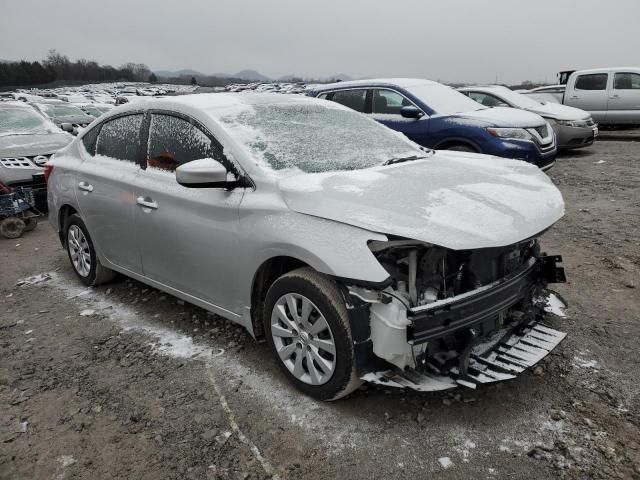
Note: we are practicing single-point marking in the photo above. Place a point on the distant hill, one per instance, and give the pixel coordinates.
(250, 75)
(178, 73)
(247, 75)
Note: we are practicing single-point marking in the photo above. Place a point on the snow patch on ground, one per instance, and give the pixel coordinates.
(314, 417)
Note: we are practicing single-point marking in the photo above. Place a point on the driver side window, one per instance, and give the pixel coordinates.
(388, 102)
(174, 141)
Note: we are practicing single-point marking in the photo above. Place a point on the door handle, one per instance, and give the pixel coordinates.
(146, 202)
(85, 186)
(574, 96)
(614, 96)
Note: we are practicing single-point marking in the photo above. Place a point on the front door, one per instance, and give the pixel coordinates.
(187, 236)
(624, 99)
(386, 105)
(105, 188)
(590, 93)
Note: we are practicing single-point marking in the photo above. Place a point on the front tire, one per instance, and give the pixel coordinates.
(307, 327)
(82, 253)
(459, 147)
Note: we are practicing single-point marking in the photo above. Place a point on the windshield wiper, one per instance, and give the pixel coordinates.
(392, 161)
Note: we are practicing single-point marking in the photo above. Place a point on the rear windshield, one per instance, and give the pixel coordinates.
(314, 138)
(443, 99)
(23, 121)
(516, 99)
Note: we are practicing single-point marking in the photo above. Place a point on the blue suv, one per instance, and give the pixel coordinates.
(436, 116)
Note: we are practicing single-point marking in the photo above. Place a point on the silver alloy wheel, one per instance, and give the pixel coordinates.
(303, 339)
(79, 250)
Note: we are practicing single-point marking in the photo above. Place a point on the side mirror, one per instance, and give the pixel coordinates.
(67, 127)
(203, 173)
(411, 112)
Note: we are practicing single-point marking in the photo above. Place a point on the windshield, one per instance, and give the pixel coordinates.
(315, 138)
(443, 99)
(516, 99)
(61, 110)
(22, 121)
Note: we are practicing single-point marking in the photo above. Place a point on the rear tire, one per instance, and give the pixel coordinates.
(313, 346)
(82, 253)
(12, 227)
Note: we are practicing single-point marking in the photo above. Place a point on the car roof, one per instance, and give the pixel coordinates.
(378, 82)
(608, 69)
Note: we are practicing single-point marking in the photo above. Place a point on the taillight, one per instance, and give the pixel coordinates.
(48, 168)
(5, 188)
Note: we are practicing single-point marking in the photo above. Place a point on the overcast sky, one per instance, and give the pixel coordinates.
(449, 40)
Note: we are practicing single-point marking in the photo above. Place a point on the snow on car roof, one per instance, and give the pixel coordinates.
(398, 82)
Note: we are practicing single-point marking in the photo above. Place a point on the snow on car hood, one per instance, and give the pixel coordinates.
(504, 117)
(560, 112)
(452, 199)
(28, 145)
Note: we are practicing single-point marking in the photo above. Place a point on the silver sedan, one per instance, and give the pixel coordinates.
(355, 253)
(574, 128)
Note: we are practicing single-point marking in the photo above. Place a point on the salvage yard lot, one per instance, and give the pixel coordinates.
(125, 381)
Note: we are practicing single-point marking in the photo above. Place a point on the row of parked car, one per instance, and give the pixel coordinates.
(340, 228)
(36, 123)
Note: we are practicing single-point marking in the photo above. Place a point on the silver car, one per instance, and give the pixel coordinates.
(574, 128)
(355, 253)
(27, 141)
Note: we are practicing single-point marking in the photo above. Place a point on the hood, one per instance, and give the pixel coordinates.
(504, 117)
(452, 199)
(560, 112)
(29, 145)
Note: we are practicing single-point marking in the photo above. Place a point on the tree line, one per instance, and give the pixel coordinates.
(58, 67)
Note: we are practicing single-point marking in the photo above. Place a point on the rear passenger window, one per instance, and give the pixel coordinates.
(90, 138)
(354, 99)
(627, 81)
(323, 96)
(596, 81)
(120, 138)
(174, 141)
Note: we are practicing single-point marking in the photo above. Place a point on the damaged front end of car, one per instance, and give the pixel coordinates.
(454, 317)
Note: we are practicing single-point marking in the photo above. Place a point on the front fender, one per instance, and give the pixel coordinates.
(329, 247)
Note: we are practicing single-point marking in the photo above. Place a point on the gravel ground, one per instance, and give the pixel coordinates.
(123, 381)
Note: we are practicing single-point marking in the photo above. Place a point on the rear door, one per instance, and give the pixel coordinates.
(589, 92)
(624, 98)
(112, 156)
(386, 105)
(187, 236)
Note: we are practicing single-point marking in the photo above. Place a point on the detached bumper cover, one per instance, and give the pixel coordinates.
(505, 360)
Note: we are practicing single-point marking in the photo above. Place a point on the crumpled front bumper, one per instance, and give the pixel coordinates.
(488, 354)
(504, 360)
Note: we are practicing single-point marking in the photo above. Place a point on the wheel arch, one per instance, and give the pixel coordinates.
(451, 141)
(64, 212)
(267, 273)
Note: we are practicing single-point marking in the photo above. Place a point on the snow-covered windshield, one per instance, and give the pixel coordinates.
(23, 121)
(315, 138)
(516, 99)
(61, 110)
(443, 99)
